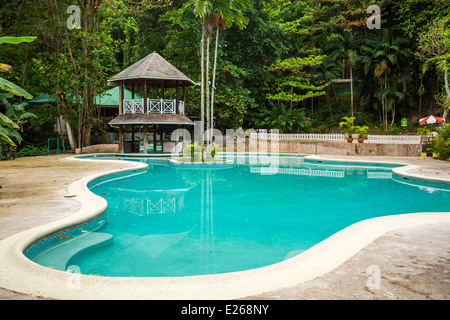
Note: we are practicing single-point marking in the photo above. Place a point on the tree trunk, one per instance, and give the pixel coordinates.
(393, 115)
(447, 90)
(351, 87)
(214, 79)
(329, 100)
(70, 135)
(208, 40)
(202, 85)
(382, 113)
(90, 26)
(335, 95)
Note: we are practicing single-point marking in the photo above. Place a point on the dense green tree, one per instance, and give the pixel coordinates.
(434, 48)
(344, 46)
(383, 56)
(386, 80)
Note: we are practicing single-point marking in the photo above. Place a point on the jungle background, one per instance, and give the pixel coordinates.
(288, 65)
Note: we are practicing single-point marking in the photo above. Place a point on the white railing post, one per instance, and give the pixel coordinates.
(181, 106)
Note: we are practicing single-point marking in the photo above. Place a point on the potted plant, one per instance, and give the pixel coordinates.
(348, 128)
(362, 133)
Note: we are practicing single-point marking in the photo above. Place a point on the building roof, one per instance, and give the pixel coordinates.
(155, 69)
(43, 98)
(111, 97)
(108, 98)
(151, 119)
(49, 98)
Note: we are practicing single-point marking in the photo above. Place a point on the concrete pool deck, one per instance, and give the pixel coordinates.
(409, 261)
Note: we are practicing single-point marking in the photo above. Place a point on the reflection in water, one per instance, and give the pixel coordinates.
(141, 206)
(329, 173)
(207, 222)
(155, 203)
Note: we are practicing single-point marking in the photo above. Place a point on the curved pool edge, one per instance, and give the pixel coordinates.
(17, 273)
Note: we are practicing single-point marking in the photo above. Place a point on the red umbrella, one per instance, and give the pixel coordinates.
(431, 120)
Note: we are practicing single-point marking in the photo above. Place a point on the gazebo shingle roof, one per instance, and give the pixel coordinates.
(154, 68)
(151, 119)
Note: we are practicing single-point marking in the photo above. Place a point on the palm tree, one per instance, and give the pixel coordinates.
(227, 13)
(219, 14)
(345, 46)
(201, 9)
(382, 55)
(434, 50)
(327, 72)
(442, 64)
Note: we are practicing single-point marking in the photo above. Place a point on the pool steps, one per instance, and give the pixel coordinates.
(59, 256)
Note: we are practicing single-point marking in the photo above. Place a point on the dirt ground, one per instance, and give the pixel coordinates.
(408, 263)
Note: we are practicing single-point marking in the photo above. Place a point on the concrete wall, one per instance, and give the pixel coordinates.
(350, 149)
(299, 146)
(337, 148)
(99, 148)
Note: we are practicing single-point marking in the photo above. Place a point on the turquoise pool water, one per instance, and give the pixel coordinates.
(174, 221)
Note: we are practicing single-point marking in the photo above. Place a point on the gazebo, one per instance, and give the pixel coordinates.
(153, 115)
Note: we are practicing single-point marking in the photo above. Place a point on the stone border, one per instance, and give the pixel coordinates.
(17, 273)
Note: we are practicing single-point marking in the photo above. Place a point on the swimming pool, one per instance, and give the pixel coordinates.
(170, 220)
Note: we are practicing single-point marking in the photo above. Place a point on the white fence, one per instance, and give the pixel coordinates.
(298, 136)
(153, 106)
(338, 137)
(386, 138)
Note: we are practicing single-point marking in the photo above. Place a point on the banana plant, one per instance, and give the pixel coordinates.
(8, 130)
(5, 84)
(8, 127)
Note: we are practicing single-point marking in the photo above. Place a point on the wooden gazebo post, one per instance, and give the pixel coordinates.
(154, 138)
(145, 144)
(177, 98)
(121, 131)
(132, 126)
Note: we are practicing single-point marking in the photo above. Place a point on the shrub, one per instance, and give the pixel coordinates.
(347, 126)
(441, 143)
(194, 152)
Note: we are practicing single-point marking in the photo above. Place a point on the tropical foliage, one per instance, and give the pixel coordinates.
(287, 65)
(441, 143)
(11, 122)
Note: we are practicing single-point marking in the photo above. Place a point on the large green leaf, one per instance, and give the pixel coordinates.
(16, 40)
(7, 122)
(5, 136)
(28, 115)
(14, 89)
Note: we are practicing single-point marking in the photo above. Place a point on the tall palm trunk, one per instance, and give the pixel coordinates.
(208, 40)
(214, 79)
(447, 90)
(382, 110)
(329, 100)
(351, 86)
(202, 86)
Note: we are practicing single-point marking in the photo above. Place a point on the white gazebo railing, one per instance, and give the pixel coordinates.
(136, 106)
